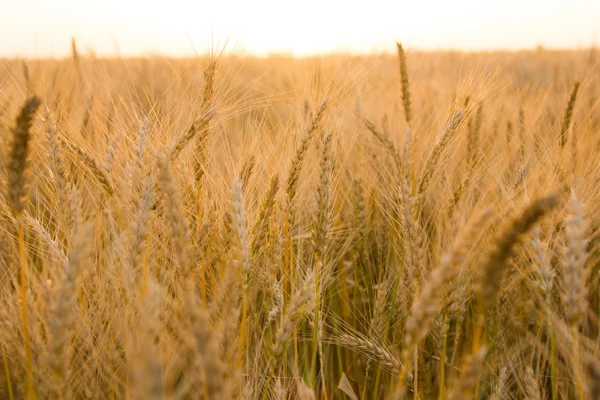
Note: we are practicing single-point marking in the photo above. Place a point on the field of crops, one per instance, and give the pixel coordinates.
(410, 225)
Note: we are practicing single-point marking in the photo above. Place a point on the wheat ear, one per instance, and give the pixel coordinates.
(179, 226)
(292, 316)
(428, 303)
(62, 312)
(198, 127)
(405, 87)
(291, 189)
(242, 256)
(564, 129)
(18, 186)
(260, 228)
(97, 171)
(319, 240)
(489, 278)
(437, 151)
(575, 275)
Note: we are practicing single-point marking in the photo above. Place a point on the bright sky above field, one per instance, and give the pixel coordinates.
(37, 28)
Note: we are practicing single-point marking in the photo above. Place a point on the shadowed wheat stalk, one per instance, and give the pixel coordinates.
(18, 185)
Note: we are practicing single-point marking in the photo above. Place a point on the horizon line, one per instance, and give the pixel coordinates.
(90, 54)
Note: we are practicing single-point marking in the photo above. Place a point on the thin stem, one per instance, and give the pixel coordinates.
(553, 360)
(416, 374)
(26, 338)
(242, 333)
(203, 280)
(577, 363)
(478, 331)
(446, 326)
(7, 374)
(317, 316)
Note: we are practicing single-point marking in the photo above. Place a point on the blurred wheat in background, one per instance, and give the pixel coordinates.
(418, 226)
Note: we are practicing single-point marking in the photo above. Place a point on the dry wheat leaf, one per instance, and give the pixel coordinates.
(346, 387)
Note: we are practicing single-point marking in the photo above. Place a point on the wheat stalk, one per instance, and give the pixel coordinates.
(198, 127)
(471, 370)
(179, 225)
(575, 273)
(564, 129)
(405, 87)
(437, 151)
(18, 186)
(63, 316)
(490, 275)
(97, 171)
(259, 230)
(296, 310)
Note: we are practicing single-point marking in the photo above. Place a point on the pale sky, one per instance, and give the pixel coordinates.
(40, 28)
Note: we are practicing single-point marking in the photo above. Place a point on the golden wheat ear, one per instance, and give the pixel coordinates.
(17, 165)
(564, 130)
(62, 316)
(487, 285)
(490, 275)
(404, 80)
(17, 195)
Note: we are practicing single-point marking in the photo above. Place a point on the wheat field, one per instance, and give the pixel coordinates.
(411, 225)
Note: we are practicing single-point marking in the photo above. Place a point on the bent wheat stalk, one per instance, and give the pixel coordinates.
(489, 279)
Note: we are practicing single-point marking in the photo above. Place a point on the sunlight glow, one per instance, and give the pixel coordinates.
(39, 28)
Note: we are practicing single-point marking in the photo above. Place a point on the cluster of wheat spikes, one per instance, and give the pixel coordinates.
(225, 228)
